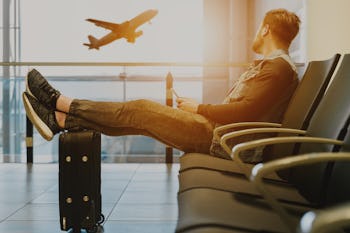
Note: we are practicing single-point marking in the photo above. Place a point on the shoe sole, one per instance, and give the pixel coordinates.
(41, 127)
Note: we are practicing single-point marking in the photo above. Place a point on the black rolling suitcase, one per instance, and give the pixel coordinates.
(80, 181)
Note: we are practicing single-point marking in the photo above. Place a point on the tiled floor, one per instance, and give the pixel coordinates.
(136, 198)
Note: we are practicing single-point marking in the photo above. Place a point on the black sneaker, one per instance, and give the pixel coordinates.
(38, 87)
(41, 117)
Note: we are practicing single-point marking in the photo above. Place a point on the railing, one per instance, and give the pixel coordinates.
(126, 64)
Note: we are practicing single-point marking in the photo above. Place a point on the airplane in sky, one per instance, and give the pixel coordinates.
(125, 30)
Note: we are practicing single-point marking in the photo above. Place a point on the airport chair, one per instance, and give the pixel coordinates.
(332, 220)
(312, 187)
(298, 114)
(215, 207)
(325, 124)
(203, 208)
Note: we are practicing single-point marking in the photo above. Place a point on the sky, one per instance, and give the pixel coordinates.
(56, 30)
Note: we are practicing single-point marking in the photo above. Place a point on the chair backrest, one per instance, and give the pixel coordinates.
(330, 117)
(305, 100)
(309, 93)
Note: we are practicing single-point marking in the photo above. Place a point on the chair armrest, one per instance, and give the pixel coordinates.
(217, 130)
(271, 141)
(327, 220)
(226, 137)
(261, 169)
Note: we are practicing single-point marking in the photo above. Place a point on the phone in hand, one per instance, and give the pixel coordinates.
(174, 92)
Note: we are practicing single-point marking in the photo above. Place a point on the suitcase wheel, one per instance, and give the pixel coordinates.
(102, 219)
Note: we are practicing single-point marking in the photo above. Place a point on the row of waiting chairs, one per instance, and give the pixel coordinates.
(217, 195)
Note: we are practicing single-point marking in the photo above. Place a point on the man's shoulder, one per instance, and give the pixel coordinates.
(279, 65)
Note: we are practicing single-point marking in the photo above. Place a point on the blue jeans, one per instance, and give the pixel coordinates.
(182, 130)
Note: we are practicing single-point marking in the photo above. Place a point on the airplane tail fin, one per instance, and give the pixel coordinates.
(93, 43)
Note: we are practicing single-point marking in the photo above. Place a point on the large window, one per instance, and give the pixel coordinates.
(54, 31)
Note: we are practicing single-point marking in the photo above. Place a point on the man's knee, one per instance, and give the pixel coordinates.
(142, 104)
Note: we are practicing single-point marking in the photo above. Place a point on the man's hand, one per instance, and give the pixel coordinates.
(187, 104)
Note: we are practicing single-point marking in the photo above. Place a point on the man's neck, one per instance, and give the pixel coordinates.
(271, 47)
(276, 52)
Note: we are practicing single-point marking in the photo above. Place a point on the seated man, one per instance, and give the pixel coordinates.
(260, 94)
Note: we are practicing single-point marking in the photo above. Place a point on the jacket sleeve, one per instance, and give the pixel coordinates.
(258, 94)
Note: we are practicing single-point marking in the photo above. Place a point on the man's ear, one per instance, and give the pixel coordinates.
(265, 30)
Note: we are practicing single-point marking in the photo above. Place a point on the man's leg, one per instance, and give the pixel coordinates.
(183, 130)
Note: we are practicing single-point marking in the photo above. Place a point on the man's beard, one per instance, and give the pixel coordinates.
(257, 45)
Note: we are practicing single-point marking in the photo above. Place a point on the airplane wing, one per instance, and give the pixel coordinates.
(104, 24)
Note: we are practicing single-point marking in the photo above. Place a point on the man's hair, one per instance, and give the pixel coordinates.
(283, 24)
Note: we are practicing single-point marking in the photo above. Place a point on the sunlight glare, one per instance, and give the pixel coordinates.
(175, 35)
